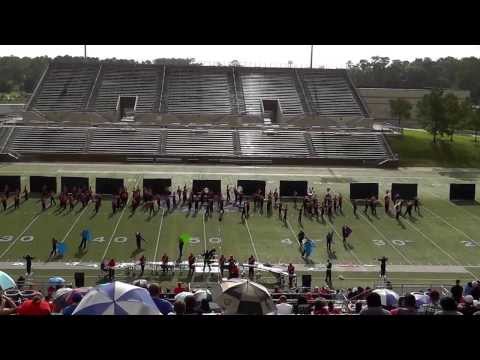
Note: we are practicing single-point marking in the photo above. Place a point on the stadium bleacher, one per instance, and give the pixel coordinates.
(194, 91)
(66, 87)
(273, 143)
(125, 141)
(199, 142)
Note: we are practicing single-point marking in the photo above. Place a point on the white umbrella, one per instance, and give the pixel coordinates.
(388, 297)
(245, 297)
(181, 296)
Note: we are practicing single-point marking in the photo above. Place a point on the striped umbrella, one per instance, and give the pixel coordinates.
(388, 297)
(245, 297)
(421, 298)
(6, 282)
(117, 298)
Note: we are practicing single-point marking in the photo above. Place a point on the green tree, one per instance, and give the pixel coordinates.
(474, 121)
(453, 116)
(401, 109)
(431, 112)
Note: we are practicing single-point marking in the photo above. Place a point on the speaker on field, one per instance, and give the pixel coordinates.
(406, 191)
(462, 192)
(79, 279)
(306, 281)
(363, 190)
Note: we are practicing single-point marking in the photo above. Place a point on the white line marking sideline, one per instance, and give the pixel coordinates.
(251, 240)
(158, 236)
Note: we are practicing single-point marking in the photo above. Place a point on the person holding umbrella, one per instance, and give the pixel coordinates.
(28, 260)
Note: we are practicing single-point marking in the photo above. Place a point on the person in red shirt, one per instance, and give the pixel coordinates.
(320, 308)
(178, 289)
(37, 306)
(111, 269)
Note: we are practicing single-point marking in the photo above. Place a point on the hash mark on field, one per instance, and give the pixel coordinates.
(384, 237)
(18, 237)
(73, 225)
(158, 236)
(251, 240)
(118, 222)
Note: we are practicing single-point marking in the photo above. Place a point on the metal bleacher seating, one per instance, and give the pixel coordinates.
(338, 145)
(66, 87)
(125, 141)
(330, 93)
(193, 91)
(35, 139)
(270, 85)
(199, 142)
(273, 143)
(128, 81)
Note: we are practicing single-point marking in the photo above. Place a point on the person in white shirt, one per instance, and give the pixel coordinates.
(283, 308)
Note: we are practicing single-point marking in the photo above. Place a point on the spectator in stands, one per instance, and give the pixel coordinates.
(374, 306)
(320, 307)
(203, 307)
(457, 291)
(467, 290)
(178, 308)
(358, 307)
(76, 298)
(434, 306)
(190, 304)
(409, 307)
(284, 308)
(449, 307)
(7, 306)
(332, 310)
(178, 289)
(475, 290)
(467, 307)
(164, 306)
(303, 307)
(36, 306)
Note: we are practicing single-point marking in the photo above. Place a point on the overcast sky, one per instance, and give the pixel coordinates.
(330, 56)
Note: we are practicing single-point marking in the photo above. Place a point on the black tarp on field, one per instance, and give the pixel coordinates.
(39, 183)
(363, 190)
(13, 183)
(214, 186)
(288, 187)
(406, 191)
(158, 186)
(251, 187)
(108, 186)
(462, 192)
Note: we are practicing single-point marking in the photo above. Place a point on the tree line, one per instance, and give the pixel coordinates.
(444, 73)
(440, 113)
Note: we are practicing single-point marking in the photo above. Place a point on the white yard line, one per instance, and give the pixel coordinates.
(384, 237)
(158, 236)
(74, 223)
(251, 240)
(453, 227)
(18, 237)
(434, 243)
(453, 205)
(118, 222)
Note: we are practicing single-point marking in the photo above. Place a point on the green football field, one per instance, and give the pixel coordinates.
(444, 236)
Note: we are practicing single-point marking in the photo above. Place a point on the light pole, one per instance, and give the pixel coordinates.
(311, 56)
(85, 52)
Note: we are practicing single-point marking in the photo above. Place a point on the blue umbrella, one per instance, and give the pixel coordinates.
(308, 247)
(421, 299)
(6, 282)
(388, 297)
(61, 248)
(56, 280)
(117, 298)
